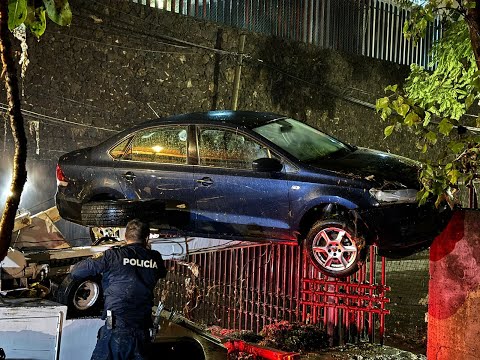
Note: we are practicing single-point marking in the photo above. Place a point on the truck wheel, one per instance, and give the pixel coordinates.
(109, 213)
(335, 248)
(83, 297)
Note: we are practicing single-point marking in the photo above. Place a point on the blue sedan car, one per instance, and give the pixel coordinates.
(255, 177)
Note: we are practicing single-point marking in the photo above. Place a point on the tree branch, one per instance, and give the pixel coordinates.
(19, 176)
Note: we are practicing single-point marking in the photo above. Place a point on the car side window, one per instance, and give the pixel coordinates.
(224, 148)
(118, 151)
(166, 145)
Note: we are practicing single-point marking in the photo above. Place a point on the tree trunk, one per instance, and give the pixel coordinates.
(473, 20)
(19, 176)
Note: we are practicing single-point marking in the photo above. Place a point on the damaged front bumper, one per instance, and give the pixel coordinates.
(402, 229)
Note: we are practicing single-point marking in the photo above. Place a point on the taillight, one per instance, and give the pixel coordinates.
(61, 178)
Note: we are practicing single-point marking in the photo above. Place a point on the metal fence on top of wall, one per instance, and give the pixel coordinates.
(365, 27)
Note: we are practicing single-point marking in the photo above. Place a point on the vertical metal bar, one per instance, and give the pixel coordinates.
(230, 288)
(405, 43)
(247, 14)
(255, 290)
(235, 289)
(290, 262)
(363, 19)
(382, 303)
(374, 30)
(371, 332)
(398, 34)
(321, 35)
(265, 284)
(390, 29)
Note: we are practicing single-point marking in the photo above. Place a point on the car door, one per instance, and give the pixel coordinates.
(154, 165)
(232, 200)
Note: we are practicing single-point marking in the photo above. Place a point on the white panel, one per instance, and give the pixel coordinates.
(30, 328)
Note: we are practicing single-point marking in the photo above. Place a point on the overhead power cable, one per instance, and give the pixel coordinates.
(36, 115)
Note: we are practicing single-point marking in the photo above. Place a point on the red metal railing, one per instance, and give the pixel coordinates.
(250, 287)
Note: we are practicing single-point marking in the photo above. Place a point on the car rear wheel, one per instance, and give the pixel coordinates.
(335, 247)
(110, 213)
(83, 297)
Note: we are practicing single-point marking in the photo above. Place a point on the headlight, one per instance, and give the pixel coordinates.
(390, 196)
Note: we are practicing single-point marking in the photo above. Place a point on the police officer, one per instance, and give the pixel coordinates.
(130, 273)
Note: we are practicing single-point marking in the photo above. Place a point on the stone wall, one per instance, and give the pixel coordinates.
(120, 63)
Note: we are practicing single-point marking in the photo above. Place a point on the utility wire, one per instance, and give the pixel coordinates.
(166, 37)
(36, 115)
(122, 47)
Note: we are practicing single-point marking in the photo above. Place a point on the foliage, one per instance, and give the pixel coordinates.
(229, 334)
(434, 103)
(294, 337)
(33, 13)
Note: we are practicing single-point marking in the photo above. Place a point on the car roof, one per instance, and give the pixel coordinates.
(248, 119)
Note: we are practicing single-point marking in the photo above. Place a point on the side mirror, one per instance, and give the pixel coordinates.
(267, 165)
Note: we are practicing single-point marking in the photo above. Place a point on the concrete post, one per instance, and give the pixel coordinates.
(454, 290)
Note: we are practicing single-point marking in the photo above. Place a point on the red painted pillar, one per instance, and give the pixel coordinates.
(454, 290)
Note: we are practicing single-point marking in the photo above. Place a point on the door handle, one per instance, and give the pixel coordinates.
(129, 176)
(206, 181)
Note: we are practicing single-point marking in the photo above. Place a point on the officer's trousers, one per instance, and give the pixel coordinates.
(121, 344)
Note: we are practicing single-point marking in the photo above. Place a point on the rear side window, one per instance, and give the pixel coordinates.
(166, 145)
(118, 151)
(224, 148)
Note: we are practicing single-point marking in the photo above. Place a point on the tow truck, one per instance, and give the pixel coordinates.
(40, 258)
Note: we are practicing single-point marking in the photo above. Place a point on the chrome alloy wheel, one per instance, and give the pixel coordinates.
(334, 249)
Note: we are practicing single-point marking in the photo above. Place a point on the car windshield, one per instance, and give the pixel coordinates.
(302, 141)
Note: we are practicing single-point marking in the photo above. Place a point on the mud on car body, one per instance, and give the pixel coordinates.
(255, 177)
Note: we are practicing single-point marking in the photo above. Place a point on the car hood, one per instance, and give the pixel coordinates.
(383, 169)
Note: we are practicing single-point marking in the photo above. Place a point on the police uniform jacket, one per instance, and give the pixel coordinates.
(130, 273)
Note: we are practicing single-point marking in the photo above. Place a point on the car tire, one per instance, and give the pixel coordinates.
(83, 297)
(335, 247)
(111, 213)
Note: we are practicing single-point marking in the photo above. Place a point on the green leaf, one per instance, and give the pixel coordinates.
(456, 146)
(17, 12)
(382, 103)
(427, 118)
(36, 20)
(392, 88)
(453, 176)
(445, 127)
(422, 196)
(476, 83)
(58, 11)
(469, 100)
(412, 118)
(388, 130)
(385, 113)
(470, 4)
(424, 148)
(403, 109)
(431, 137)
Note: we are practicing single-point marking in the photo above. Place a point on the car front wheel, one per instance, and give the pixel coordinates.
(335, 247)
